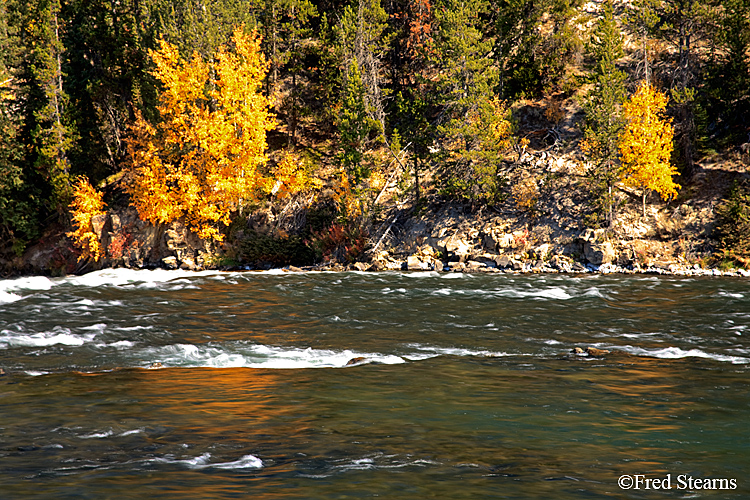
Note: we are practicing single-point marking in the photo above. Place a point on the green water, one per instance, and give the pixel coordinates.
(471, 392)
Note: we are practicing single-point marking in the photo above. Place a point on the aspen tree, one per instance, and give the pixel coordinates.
(206, 155)
(646, 144)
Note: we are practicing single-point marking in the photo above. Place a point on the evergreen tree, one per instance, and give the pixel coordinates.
(604, 121)
(362, 39)
(201, 26)
(286, 25)
(642, 18)
(18, 206)
(465, 90)
(354, 125)
(48, 129)
(731, 78)
(108, 81)
(534, 41)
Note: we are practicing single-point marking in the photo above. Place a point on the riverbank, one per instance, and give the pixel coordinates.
(554, 232)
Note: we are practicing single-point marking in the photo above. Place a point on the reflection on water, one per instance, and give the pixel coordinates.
(472, 393)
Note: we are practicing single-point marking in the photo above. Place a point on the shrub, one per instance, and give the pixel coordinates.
(87, 204)
(733, 225)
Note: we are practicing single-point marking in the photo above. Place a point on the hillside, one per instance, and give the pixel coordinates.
(470, 136)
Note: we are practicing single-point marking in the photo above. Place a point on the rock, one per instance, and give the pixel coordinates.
(560, 262)
(474, 265)
(503, 261)
(456, 266)
(156, 365)
(359, 266)
(489, 242)
(542, 251)
(356, 361)
(599, 253)
(593, 351)
(413, 263)
(589, 351)
(486, 259)
(187, 263)
(517, 266)
(99, 223)
(116, 223)
(577, 266)
(294, 269)
(170, 262)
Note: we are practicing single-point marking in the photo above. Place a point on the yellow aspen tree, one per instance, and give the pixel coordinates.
(206, 155)
(646, 144)
(87, 204)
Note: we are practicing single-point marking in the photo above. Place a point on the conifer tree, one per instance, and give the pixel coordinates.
(354, 125)
(465, 90)
(17, 195)
(642, 18)
(362, 39)
(50, 132)
(604, 121)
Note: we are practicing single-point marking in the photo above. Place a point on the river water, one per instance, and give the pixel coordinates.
(166, 384)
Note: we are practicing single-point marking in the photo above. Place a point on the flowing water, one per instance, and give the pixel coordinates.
(134, 384)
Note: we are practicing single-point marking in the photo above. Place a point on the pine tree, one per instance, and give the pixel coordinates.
(604, 120)
(354, 125)
(465, 91)
(642, 17)
(49, 130)
(18, 206)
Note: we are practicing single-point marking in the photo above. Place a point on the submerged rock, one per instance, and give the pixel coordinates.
(593, 351)
(356, 361)
(589, 351)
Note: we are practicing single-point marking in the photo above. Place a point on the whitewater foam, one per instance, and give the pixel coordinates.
(202, 462)
(58, 335)
(7, 298)
(238, 355)
(678, 353)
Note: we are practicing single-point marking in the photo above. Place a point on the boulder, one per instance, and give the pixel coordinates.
(187, 263)
(503, 261)
(170, 262)
(593, 351)
(589, 351)
(359, 266)
(356, 361)
(542, 251)
(413, 263)
(599, 253)
(474, 265)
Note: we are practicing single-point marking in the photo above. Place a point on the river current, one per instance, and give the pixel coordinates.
(167, 384)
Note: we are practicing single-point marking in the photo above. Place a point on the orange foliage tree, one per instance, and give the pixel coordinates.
(207, 154)
(646, 144)
(87, 204)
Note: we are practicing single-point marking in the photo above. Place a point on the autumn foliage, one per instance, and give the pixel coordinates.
(87, 204)
(646, 143)
(206, 156)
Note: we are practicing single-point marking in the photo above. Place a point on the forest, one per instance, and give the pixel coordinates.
(205, 111)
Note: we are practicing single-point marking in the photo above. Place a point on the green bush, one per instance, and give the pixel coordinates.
(732, 230)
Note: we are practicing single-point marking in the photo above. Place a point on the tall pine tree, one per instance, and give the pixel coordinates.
(604, 120)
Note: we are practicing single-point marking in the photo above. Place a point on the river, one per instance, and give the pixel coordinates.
(168, 384)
